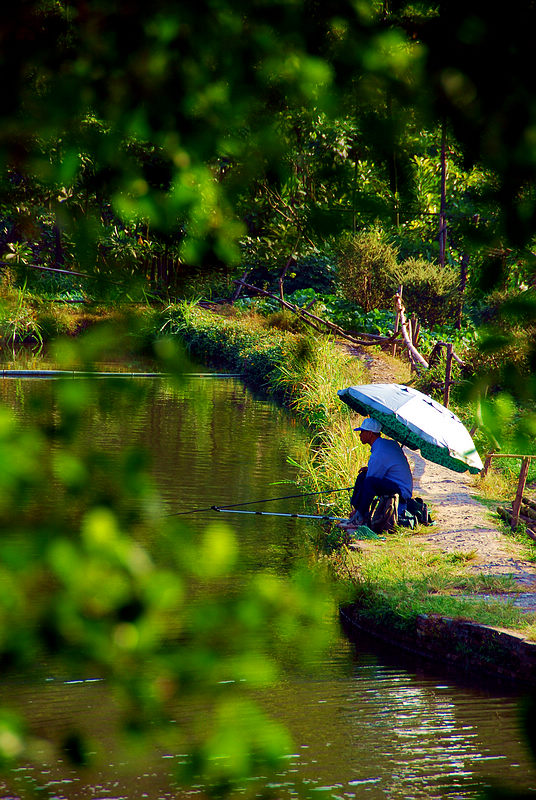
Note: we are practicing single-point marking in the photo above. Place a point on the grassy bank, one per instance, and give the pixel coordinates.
(399, 578)
(395, 579)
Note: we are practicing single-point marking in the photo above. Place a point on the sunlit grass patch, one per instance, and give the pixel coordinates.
(397, 579)
(495, 485)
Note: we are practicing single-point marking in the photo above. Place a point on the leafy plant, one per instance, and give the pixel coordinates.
(428, 291)
(366, 268)
(18, 323)
(19, 253)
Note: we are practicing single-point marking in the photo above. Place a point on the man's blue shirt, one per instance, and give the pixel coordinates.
(387, 460)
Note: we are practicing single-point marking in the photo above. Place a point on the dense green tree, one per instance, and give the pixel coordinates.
(205, 86)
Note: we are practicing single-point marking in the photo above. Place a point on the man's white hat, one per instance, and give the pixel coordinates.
(369, 424)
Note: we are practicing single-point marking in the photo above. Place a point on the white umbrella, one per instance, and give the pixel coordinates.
(417, 421)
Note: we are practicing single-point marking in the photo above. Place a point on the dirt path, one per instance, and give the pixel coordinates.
(465, 525)
(462, 523)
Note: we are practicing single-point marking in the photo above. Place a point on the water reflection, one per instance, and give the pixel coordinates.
(382, 731)
(362, 724)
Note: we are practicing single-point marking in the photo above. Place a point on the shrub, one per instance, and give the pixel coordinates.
(367, 269)
(429, 291)
(285, 321)
(313, 270)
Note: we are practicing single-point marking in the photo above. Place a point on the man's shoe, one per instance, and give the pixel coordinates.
(352, 523)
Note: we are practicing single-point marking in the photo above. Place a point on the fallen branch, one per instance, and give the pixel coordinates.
(314, 321)
(48, 269)
(240, 286)
(528, 512)
(529, 502)
(506, 514)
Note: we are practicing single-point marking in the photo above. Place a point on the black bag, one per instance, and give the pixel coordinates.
(419, 509)
(416, 513)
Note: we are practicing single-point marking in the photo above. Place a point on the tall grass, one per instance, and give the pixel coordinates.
(18, 321)
(32, 320)
(335, 450)
(302, 370)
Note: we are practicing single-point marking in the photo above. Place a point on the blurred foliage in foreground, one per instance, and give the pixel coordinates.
(98, 582)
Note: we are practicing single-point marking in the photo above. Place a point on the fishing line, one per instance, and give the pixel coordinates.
(266, 500)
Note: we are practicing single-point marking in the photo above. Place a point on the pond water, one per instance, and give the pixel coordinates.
(366, 722)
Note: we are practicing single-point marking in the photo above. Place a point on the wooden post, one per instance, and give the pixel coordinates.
(516, 505)
(416, 332)
(448, 371)
(397, 321)
(414, 329)
(435, 355)
(487, 462)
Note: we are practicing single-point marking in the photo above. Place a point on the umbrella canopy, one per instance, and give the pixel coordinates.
(415, 420)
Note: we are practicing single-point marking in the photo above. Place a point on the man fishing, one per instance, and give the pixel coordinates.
(386, 473)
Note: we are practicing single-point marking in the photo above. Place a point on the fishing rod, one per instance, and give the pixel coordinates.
(280, 514)
(266, 500)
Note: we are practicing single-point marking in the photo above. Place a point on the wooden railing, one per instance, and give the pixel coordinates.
(523, 472)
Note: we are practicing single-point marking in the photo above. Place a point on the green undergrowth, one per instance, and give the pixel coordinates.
(397, 579)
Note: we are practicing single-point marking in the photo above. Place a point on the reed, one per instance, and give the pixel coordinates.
(302, 370)
(335, 452)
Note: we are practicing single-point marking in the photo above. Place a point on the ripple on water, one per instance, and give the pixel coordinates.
(362, 725)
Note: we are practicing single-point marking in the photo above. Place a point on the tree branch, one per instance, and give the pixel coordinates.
(414, 353)
(313, 320)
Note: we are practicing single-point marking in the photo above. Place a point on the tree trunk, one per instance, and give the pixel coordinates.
(443, 201)
(461, 289)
